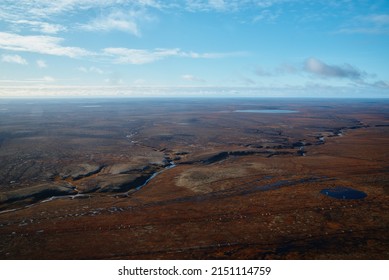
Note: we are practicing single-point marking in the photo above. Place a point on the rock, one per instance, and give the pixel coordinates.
(121, 168)
(38, 192)
(113, 183)
(78, 171)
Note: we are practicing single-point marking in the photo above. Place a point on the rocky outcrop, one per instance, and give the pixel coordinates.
(113, 183)
(38, 192)
(122, 168)
(78, 171)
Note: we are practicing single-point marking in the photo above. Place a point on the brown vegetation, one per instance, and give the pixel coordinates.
(217, 184)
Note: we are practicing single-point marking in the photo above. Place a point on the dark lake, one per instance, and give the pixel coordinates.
(343, 193)
(267, 111)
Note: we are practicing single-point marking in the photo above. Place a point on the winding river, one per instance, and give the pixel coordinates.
(80, 195)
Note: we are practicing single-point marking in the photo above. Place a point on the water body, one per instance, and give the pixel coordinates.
(343, 193)
(267, 111)
(91, 106)
(170, 166)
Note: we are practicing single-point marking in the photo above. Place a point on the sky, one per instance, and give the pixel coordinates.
(263, 48)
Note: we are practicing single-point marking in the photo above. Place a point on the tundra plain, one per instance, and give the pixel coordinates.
(194, 179)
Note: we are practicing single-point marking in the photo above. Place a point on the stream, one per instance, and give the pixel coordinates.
(80, 195)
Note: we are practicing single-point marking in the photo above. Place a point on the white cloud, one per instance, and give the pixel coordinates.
(27, 82)
(320, 90)
(50, 17)
(41, 26)
(40, 9)
(52, 46)
(268, 3)
(13, 59)
(259, 71)
(266, 16)
(139, 82)
(140, 56)
(39, 44)
(379, 19)
(47, 16)
(217, 4)
(212, 55)
(368, 24)
(192, 78)
(381, 84)
(229, 5)
(208, 5)
(280, 70)
(41, 64)
(96, 70)
(364, 30)
(46, 8)
(114, 81)
(247, 81)
(315, 66)
(287, 68)
(48, 79)
(91, 69)
(116, 21)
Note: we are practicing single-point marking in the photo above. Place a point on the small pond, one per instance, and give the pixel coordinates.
(343, 193)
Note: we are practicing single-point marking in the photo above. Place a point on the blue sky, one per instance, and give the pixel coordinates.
(203, 47)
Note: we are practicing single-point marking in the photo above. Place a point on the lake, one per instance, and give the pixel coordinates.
(267, 111)
(343, 193)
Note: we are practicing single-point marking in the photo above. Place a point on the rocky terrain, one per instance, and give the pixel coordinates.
(194, 179)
